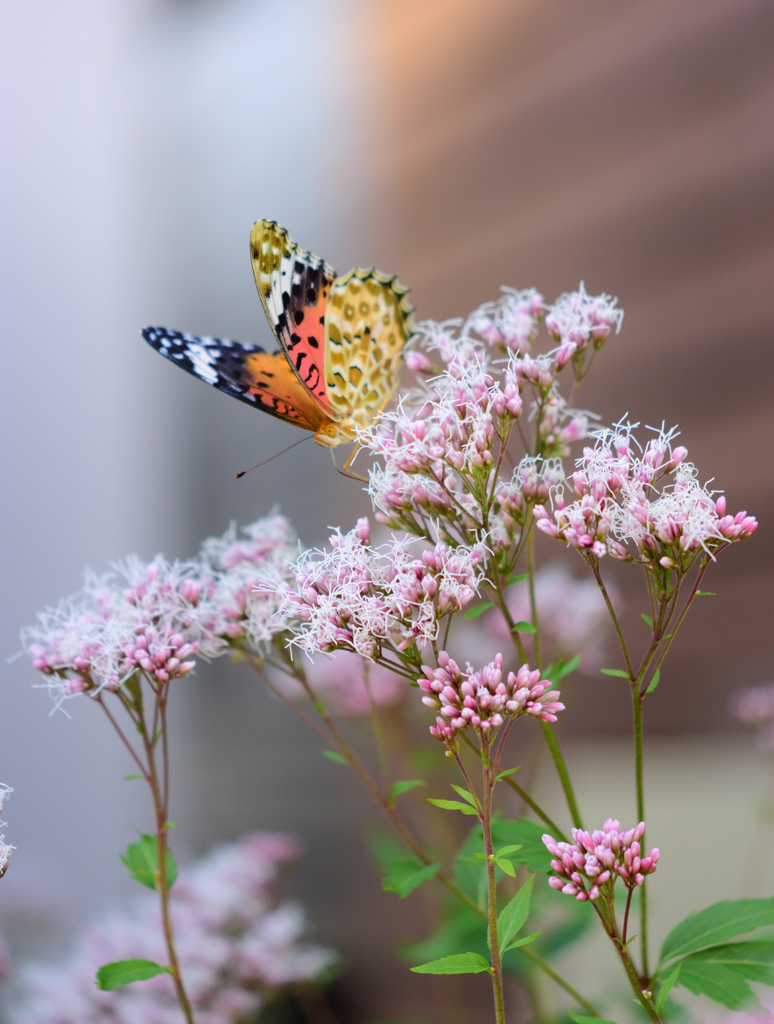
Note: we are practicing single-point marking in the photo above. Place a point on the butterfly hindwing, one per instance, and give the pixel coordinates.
(368, 323)
(261, 379)
(294, 286)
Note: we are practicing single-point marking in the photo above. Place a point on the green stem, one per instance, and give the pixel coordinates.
(541, 964)
(159, 789)
(551, 740)
(532, 599)
(491, 880)
(640, 785)
(564, 775)
(594, 563)
(537, 809)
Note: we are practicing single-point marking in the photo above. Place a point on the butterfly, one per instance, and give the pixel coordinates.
(340, 341)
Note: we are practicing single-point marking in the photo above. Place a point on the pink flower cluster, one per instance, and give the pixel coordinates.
(157, 617)
(5, 853)
(148, 617)
(361, 598)
(578, 320)
(232, 567)
(483, 699)
(591, 865)
(533, 481)
(441, 449)
(626, 500)
(236, 948)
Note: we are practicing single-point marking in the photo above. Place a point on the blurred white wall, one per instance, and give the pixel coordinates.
(140, 140)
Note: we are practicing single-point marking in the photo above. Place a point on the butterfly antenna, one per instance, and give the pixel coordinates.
(346, 471)
(295, 444)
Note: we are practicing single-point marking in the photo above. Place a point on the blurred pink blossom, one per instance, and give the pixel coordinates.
(343, 680)
(755, 707)
(572, 615)
(236, 948)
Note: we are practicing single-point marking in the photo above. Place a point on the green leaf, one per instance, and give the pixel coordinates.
(653, 682)
(129, 778)
(506, 867)
(647, 619)
(333, 755)
(722, 972)
(124, 972)
(565, 670)
(527, 834)
(512, 918)
(142, 862)
(525, 941)
(403, 787)
(517, 579)
(478, 610)
(666, 988)
(705, 593)
(506, 773)
(460, 963)
(464, 794)
(405, 875)
(581, 1019)
(453, 805)
(721, 921)
(614, 672)
(523, 627)
(506, 850)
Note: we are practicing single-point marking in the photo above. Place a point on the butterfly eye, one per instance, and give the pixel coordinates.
(331, 430)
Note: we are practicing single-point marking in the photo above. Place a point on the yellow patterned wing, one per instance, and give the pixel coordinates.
(367, 323)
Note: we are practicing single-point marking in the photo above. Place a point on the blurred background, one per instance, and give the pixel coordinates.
(463, 145)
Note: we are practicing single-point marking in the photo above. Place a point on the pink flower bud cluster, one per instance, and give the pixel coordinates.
(483, 700)
(653, 502)
(238, 948)
(590, 867)
(148, 617)
(560, 426)
(533, 481)
(360, 598)
(577, 320)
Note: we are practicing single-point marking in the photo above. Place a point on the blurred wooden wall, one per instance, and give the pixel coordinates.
(629, 144)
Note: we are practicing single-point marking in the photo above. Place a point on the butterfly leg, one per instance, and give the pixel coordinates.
(345, 470)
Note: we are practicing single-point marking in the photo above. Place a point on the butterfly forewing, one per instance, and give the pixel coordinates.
(368, 322)
(294, 287)
(261, 379)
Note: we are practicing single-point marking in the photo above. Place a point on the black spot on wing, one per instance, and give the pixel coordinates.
(219, 362)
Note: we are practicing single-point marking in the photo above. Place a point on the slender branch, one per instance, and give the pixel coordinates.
(546, 968)
(122, 737)
(594, 563)
(564, 775)
(559, 834)
(533, 600)
(162, 881)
